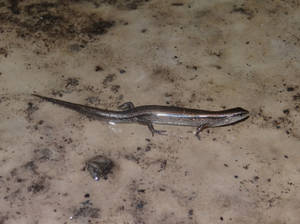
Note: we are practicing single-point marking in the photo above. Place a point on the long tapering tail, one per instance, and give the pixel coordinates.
(86, 110)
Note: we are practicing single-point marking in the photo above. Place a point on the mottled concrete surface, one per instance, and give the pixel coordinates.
(199, 54)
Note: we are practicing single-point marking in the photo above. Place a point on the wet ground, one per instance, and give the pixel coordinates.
(199, 54)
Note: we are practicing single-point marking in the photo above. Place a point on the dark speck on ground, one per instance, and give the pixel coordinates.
(286, 111)
(31, 108)
(256, 178)
(177, 4)
(72, 82)
(244, 11)
(140, 205)
(86, 210)
(109, 78)
(98, 68)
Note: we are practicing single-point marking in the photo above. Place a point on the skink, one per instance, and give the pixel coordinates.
(155, 114)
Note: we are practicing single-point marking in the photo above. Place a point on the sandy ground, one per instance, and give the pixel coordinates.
(198, 54)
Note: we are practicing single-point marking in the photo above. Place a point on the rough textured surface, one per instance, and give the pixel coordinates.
(199, 54)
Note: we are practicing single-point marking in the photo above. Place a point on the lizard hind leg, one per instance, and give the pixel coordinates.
(199, 129)
(152, 129)
(155, 131)
(126, 106)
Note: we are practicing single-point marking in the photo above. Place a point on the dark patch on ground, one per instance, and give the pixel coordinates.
(3, 219)
(14, 6)
(76, 47)
(31, 108)
(22, 180)
(37, 186)
(282, 123)
(138, 203)
(44, 17)
(177, 4)
(121, 4)
(193, 67)
(286, 111)
(115, 88)
(243, 10)
(99, 27)
(72, 82)
(291, 88)
(142, 157)
(217, 53)
(43, 154)
(52, 21)
(38, 124)
(3, 98)
(267, 198)
(57, 93)
(98, 68)
(162, 74)
(31, 166)
(3, 52)
(122, 71)
(139, 155)
(132, 157)
(163, 165)
(217, 66)
(109, 78)
(86, 210)
(191, 213)
(94, 100)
